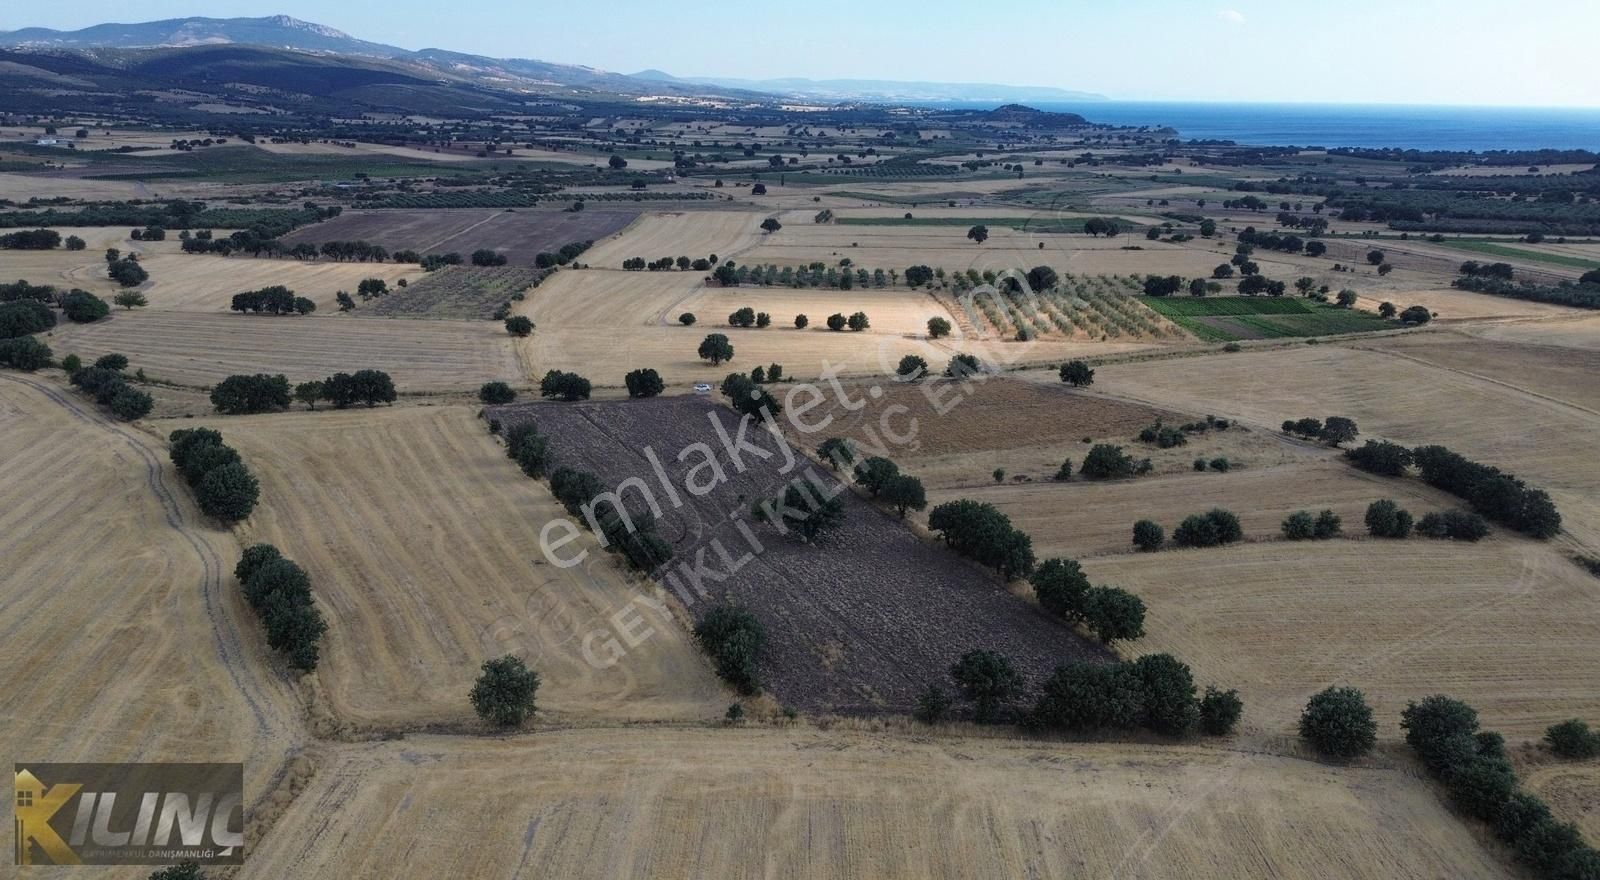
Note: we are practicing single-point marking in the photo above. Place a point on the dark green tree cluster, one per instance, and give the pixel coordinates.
(1111, 613)
(275, 300)
(1214, 528)
(24, 317)
(1380, 457)
(1163, 436)
(108, 386)
(1303, 526)
(126, 271)
(280, 593)
(1493, 493)
(31, 240)
(562, 255)
(506, 692)
(1333, 431)
(643, 383)
(1457, 525)
(733, 637)
(804, 507)
(1155, 692)
(1106, 461)
(242, 395)
(528, 448)
(560, 385)
(223, 486)
(496, 393)
(1339, 724)
(1473, 766)
(884, 481)
(371, 387)
(748, 398)
(83, 307)
(519, 325)
(1572, 739)
(982, 533)
(1386, 519)
(24, 353)
(1078, 374)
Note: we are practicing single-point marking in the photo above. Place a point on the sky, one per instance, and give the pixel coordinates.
(1475, 52)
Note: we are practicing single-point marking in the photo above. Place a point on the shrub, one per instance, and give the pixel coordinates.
(911, 368)
(130, 403)
(687, 319)
(1457, 525)
(1380, 457)
(24, 318)
(1573, 739)
(1061, 588)
(643, 383)
(1113, 614)
(1385, 519)
(800, 322)
(1328, 525)
(933, 705)
(24, 353)
(1083, 697)
(1338, 723)
(1337, 430)
(371, 387)
(519, 325)
(744, 317)
(494, 393)
(1077, 374)
(1168, 689)
(1221, 465)
(1299, 526)
(1064, 472)
(563, 385)
(83, 307)
(1106, 461)
(807, 511)
(242, 395)
(988, 681)
(228, 492)
(1211, 529)
(938, 328)
(963, 365)
(716, 348)
(254, 557)
(904, 493)
(506, 692)
(733, 637)
(838, 451)
(111, 362)
(1148, 536)
(1220, 711)
(874, 473)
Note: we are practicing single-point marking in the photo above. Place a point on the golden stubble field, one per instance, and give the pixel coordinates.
(692, 234)
(125, 638)
(193, 282)
(422, 542)
(804, 803)
(202, 348)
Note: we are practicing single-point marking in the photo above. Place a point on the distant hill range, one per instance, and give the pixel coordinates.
(882, 90)
(286, 33)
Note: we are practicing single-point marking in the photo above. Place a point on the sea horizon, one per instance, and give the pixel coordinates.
(1375, 126)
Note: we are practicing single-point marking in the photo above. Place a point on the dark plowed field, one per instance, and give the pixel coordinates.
(520, 234)
(856, 623)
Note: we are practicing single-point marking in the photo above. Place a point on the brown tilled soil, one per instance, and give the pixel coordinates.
(856, 623)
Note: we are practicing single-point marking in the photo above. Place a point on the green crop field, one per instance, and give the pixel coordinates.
(1230, 318)
(1495, 249)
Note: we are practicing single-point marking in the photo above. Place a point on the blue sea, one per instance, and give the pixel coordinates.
(1357, 125)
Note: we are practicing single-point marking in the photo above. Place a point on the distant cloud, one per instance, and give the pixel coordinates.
(1232, 16)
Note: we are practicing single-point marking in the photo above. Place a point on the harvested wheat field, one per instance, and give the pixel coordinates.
(1581, 332)
(1571, 376)
(1453, 305)
(1545, 441)
(1084, 518)
(422, 542)
(1506, 624)
(692, 234)
(124, 639)
(200, 283)
(85, 269)
(613, 300)
(898, 312)
(193, 348)
(1571, 788)
(790, 804)
(519, 235)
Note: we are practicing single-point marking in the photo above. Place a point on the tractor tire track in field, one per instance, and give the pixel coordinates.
(268, 725)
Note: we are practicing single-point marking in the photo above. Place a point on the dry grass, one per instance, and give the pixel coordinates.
(1572, 790)
(800, 803)
(1529, 432)
(191, 282)
(422, 541)
(1086, 518)
(1577, 332)
(692, 234)
(194, 348)
(1506, 625)
(123, 642)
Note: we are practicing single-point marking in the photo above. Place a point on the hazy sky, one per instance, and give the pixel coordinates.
(1359, 51)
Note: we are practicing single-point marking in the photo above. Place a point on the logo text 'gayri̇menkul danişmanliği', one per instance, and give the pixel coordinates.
(129, 814)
